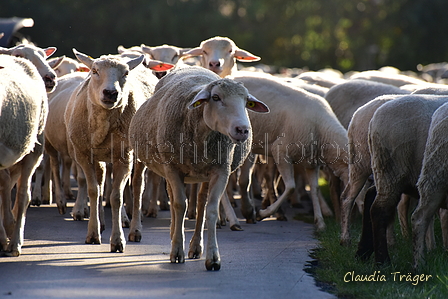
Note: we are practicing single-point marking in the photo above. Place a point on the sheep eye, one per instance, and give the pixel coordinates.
(205, 53)
(216, 98)
(250, 104)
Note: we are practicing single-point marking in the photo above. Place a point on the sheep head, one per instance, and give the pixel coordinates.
(219, 54)
(225, 102)
(107, 78)
(38, 57)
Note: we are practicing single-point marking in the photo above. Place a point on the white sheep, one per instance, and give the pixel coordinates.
(431, 184)
(97, 119)
(397, 136)
(388, 78)
(187, 133)
(166, 53)
(322, 79)
(348, 96)
(24, 109)
(38, 57)
(219, 54)
(359, 161)
(301, 131)
(66, 65)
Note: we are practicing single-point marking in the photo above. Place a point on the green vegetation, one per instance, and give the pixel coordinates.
(341, 34)
(338, 268)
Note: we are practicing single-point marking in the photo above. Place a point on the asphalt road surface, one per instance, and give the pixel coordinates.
(266, 260)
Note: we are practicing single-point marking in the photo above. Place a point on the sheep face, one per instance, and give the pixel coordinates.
(108, 77)
(225, 108)
(218, 54)
(37, 57)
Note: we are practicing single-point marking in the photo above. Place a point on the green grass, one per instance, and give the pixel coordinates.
(335, 261)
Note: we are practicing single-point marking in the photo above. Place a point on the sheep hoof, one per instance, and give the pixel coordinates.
(93, 240)
(151, 213)
(62, 209)
(77, 216)
(135, 236)
(119, 247)
(195, 253)
(177, 258)
(36, 202)
(236, 227)
(213, 265)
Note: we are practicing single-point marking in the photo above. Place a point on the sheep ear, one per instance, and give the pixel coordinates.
(135, 62)
(193, 52)
(159, 66)
(56, 62)
(87, 60)
(256, 105)
(183, 52)
(49, 51)
(201, 98)
(6, 51)
(121, 49)
(146, 49)
(245, 56)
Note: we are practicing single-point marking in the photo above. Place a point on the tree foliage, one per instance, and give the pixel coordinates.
(342, 34)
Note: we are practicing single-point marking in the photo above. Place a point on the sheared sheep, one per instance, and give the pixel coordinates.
(219, 54)
(301, 131)
(24, 109)
(186, 132)
(97, 118)
(397, 136)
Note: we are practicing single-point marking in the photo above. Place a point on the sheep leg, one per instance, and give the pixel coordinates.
(135, 231)
(230, 213)
(286, 170)
(155, 181)
(129, 201)
(36, 199)
(247, 204)
(382, 213)
(218, 185)
(421, 217)
(162, 196)
(121, 172)
(61, 202)
(312, 175)
(81, 209)
(402, 209)
(443, 214)
(348, 196)
(365, 245)
(196, 243)
(23, 197)
(93, 191)
(178, 209)
(66, 184)
(6, 217)
(192, 201)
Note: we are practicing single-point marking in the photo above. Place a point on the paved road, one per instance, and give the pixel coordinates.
(266, 260)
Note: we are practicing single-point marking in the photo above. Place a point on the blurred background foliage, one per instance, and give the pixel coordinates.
(341, 34)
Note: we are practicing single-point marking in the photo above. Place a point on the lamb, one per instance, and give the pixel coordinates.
(66, 65)
(38, 57)
(346, 97)
(431, 184)
(397, 136)
(219, 54)
(24, 108)
(301, 131)
(97, 118)
(194, 129)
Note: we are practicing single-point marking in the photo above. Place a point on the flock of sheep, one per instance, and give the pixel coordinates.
(126, 124)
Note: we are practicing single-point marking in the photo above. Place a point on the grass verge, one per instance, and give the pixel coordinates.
(336, 268)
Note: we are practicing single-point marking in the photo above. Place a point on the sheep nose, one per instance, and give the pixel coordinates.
(214, 64)
(241, 133)
(50, 81)
(110, 95)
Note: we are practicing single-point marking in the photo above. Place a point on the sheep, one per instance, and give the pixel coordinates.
(322, 79)
(166, 53)
(186, 132)
(397, 136)
(387, 78)
(38, 57)
(24, 109)
(97, 118)
(66, 65)
(359, 161)
(56, 143)
(431, 184)
(301, 131)
(346, 97)
(219, 55)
